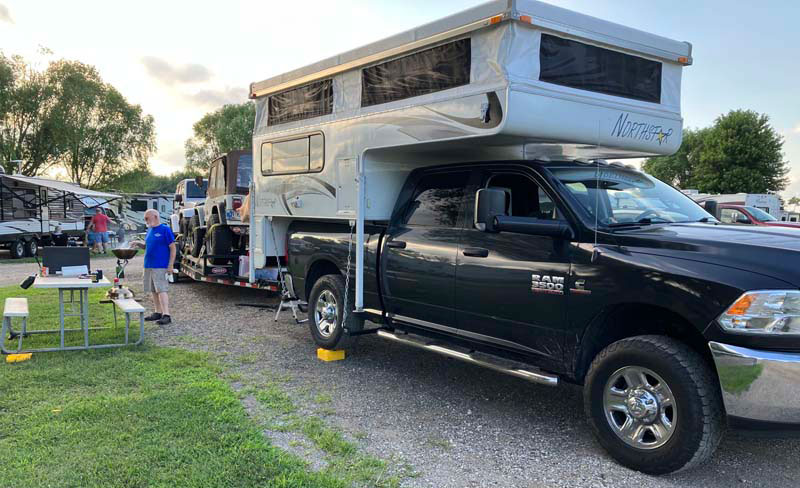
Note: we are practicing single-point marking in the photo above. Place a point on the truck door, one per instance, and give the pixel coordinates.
(509, 286)
(419, 252)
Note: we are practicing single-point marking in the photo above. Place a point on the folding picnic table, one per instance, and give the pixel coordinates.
(69, 307)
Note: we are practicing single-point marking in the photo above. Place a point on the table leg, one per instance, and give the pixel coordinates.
(61, 314)
(84, 295)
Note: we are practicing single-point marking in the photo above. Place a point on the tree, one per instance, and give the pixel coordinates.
(678, 169)
(27, 102)
(794, 201)
(226, 129)
(140, 180)
(741, 152)
(99, 134)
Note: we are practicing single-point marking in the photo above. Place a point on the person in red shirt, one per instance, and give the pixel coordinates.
(99, 227)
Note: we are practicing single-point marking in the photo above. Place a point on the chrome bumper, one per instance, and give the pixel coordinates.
(758, 385)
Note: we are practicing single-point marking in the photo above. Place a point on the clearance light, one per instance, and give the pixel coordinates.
(683, 60)
(525, 18)
(496, 19)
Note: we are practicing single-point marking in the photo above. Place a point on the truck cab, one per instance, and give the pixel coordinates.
(748, 215)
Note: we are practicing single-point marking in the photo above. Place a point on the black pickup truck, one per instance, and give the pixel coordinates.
(591, 273)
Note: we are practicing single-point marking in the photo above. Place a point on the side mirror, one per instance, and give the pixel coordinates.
(489, 203)
(178, 198)
(711, 207)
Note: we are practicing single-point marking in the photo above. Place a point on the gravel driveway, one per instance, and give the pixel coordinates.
(457, 425)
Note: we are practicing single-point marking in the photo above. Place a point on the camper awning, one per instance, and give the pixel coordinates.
(62, 186)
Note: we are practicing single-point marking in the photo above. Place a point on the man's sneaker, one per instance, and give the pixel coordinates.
(164, 320)
(153, 316)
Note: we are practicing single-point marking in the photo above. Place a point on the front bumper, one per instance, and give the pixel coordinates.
(759, 386)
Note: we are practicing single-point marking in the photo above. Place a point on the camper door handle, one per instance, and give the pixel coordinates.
(396, 244)
(475, 252)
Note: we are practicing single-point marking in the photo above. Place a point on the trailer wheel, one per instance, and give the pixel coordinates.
(220, 240)
(18, 249)
(654, 404)
(32, 247)
(326, 310)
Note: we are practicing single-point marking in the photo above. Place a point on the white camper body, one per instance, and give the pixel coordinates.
(507, 80)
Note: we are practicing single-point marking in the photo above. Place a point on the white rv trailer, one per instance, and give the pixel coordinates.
(32, 208)
(509, 79)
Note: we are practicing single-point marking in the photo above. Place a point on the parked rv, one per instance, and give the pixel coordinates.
(447, 185)
(32, 209)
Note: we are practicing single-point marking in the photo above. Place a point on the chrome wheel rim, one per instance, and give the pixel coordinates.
(640, 407)
(326, 314)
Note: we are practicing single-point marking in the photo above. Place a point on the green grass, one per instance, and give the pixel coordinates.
(737, 379)
(43, 308)
(134, 418)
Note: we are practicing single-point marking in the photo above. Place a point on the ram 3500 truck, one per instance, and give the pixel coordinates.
(590, 273)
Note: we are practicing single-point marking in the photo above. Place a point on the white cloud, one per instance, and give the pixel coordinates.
(170, 74)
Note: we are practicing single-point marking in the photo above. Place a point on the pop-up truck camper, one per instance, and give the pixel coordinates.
(507, 80)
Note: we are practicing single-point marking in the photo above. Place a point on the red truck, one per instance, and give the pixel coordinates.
(746, 215)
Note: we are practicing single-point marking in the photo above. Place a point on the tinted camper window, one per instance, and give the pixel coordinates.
(305, 102)
(428, 71)
(300, 155)
(586, 67)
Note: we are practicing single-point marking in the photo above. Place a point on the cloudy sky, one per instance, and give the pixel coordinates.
(181, 59)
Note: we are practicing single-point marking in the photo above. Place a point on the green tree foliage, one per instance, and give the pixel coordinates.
(741, 152)
(66, 117)
(226, 129)
(27, 124)
(100, 135)
(140, 180)
(794, 201)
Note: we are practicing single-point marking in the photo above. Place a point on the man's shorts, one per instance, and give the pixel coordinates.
(102, 237)
(155, 280)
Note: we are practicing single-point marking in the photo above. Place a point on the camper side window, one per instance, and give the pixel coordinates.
(301, 155)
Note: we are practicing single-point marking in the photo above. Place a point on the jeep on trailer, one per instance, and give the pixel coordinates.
(448, 184)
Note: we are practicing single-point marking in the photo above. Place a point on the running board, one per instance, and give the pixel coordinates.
(532, 376)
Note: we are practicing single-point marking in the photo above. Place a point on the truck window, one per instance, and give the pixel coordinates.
(732, 216)
(524, 197)
(438, 200)
(244, 171)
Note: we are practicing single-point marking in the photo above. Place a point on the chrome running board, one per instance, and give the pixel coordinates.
(532, 376)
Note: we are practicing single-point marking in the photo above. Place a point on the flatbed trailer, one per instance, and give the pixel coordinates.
(200, 269)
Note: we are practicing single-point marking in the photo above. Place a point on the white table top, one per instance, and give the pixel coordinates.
(73, 282)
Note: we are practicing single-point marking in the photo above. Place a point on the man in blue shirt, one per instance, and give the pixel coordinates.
(159, 259)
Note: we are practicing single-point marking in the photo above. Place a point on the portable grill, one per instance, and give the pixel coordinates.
(124, 255)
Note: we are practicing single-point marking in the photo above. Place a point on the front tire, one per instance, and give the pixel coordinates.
(654, 404)
(18, 249)
(325, 313)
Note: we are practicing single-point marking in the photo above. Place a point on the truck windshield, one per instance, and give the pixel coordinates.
(760, 215)
(617, 197)
(192, 191)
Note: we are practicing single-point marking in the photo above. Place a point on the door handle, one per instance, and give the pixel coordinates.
(396, 244)
(475, 252)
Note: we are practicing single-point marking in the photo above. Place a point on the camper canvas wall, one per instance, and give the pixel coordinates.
(337, 139)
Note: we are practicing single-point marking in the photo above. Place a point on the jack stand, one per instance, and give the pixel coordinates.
(289, 302)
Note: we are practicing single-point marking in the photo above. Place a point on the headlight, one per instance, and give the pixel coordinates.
(764, 312)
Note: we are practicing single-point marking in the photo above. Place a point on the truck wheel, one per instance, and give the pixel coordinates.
(325, 312)
(197, 235)
(220, 240)
(18, 249)
(32, 248)
(654, 404)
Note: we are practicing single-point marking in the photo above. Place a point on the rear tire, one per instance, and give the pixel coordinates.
(196, 236)
(18, 249)
(654, 404)
(325, 313)
(220, 240)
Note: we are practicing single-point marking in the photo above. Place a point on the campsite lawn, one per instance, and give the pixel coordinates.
(146, 416)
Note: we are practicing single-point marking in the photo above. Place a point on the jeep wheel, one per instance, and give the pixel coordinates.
(196, 236)
(220, 240)
(654, 405)
(326, 310)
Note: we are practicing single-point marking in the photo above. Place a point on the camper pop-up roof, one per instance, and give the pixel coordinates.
(509, 79)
